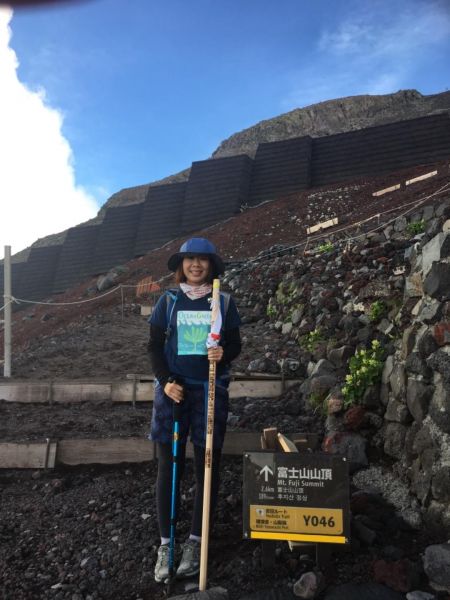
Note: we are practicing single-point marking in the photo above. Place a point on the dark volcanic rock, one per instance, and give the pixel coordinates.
(437, 282)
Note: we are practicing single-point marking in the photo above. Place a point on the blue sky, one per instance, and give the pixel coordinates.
(145, 87)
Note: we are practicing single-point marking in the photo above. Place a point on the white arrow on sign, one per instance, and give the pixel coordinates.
(266, 470)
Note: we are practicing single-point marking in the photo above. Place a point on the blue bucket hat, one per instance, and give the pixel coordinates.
(196, 246)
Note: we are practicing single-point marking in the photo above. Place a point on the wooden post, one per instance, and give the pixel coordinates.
(7, 309)
(215, 310)
(134, 393)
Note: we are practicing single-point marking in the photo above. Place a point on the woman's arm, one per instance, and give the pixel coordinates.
(231, 345)
(155, 348)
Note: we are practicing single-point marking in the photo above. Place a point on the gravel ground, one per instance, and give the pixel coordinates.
(90, 533)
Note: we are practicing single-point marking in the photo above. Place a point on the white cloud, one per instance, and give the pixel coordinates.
(348, 37)
(374, 33)
(38, 191)
(373, 51)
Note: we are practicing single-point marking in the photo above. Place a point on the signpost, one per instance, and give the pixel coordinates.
(297, 497)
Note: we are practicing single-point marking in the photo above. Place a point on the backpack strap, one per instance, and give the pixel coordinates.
(224, 304)
(171, 298)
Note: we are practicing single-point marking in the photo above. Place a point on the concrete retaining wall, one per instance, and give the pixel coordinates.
(217, 189)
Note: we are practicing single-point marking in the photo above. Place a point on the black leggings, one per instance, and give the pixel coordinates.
(164, 485)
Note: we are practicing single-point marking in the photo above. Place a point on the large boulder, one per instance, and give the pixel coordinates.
(440, 361)
(430, 310)
(437, 566)
(400, 575)
(415, 364)
(397, 411)
(394, 439)
(350, 445)
(440, 485)
(398, 382)
(418, 396)
(439, 408)
(434, 251)
(437, 282)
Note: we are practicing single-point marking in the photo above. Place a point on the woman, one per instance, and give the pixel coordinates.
(179, 326)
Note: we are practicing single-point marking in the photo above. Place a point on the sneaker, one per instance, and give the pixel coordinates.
(162, 564)
(190, 561)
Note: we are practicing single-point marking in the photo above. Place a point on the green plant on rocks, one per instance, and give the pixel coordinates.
(271, 310)
(415, 227)
(365, 370)
(281, 295)
(331, 343)
(325, 247)
(286, 293)
(377, 310)
(317, 403)
(311, 339)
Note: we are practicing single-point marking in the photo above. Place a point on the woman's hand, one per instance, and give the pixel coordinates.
(215, 354)
(174, 391)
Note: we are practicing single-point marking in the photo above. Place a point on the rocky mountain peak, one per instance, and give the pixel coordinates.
(335, 116)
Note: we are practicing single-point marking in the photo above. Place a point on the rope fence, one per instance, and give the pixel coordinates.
(415, 204)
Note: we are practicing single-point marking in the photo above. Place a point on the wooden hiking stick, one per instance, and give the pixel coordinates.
(215, 314)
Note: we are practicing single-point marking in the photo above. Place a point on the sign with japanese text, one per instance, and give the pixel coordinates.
(298, 497)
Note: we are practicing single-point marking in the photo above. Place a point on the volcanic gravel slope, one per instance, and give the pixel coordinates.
(90, 533)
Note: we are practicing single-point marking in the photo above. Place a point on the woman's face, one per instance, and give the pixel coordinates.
(196, 269)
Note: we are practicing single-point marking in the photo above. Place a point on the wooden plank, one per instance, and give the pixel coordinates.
(323, 225)
(27, 455)
(238, 442)
(108, 451)
(80, 392)
(270, 438)
(33, 391)
(235, 443)
(140, 376)
(421, 177)
(286, 444)
(386, 190)
(254, 376)
(260, 388)
(145, 392)
(50, 458)
(117, 450)
(122, 391)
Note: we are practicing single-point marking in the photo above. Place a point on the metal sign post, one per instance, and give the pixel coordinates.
(296, 497)
(7, 309)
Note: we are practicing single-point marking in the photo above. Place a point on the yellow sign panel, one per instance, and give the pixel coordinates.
(299, 537)
(294, 519)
